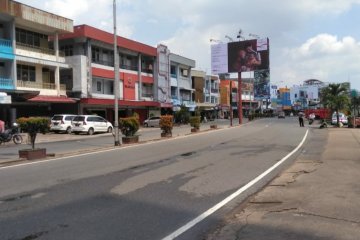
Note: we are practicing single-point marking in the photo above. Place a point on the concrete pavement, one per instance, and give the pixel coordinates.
(316, 198)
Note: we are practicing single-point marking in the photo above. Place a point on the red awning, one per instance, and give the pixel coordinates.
(129, 103)
(52, 99)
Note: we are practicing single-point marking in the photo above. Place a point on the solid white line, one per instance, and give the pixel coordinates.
(210, 211)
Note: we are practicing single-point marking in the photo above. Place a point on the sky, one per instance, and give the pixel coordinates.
(309, 39)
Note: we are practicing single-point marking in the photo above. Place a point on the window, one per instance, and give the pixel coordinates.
(184, 72)
(173, 70)
(95, 52)
(98, 86)
(26, 73)
(68, 50)
(29, 38)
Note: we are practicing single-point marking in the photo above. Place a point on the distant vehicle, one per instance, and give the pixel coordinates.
(152, 122)
(320, 113)
(281, 115)
(90, 124)
(61, 123)
(342, 118)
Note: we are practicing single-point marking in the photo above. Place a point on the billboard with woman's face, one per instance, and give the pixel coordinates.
(248, 55)
(242, 56)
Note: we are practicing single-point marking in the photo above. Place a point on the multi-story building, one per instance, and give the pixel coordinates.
(306, 95)
(90, 53)
(198, 84)
(212, 89)
(162, 80)
(181, 83)
(248, 102)
(284, 102)
(206, 94)
(31, 61)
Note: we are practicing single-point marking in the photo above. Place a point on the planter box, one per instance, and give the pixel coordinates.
(132, 139)
(213, 126)
(166, 135)
(195, 130)
(31, 154)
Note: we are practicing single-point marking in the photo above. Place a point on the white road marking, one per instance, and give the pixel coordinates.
(210, 211)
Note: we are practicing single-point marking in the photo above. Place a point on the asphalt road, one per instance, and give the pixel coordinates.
(144, 191)
(63, 143)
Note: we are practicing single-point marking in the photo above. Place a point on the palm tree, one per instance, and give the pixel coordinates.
(335, 96)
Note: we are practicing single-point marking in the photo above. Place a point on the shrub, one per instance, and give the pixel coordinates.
(195, 122)
(33, 126)
(166, 124)
(183, 115)
(129, 126)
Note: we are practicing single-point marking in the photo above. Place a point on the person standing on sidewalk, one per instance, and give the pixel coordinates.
(301, 120)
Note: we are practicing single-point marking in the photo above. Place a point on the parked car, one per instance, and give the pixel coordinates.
(61, 123)
(90, 124)
(342, 118)
(281, 115)
(152, 122)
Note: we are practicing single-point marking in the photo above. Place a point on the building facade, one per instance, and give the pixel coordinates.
(306, 95)
(31, 61)
(90, 53)
(181, 82)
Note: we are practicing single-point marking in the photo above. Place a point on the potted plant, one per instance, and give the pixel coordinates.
(166, 125)
(195, 123)
(128, 127)
(33, 126)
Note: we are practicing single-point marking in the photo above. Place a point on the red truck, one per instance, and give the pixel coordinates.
(321, 113)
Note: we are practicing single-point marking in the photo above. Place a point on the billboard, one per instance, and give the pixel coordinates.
(219, 58)
(262, 84)
(242, 56)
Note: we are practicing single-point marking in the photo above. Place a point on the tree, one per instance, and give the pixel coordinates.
(335, 96)
(33, 126)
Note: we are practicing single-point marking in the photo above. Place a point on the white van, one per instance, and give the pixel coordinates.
(61, 123)
(342, 118)
(90, 124)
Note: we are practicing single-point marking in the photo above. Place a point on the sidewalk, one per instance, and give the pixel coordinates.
(318, 197)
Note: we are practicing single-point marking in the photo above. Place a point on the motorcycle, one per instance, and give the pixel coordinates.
(11, 134)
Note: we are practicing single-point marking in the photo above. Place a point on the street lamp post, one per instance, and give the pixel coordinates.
(116, 82)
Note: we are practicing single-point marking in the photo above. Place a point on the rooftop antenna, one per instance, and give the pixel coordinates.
(240, 35)
(230, 38)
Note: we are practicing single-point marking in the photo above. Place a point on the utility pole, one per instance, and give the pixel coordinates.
(116, 81)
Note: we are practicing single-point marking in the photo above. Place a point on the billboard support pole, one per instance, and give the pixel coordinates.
(240, 112)
(231, 110)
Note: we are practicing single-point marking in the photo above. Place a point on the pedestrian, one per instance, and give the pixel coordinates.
(2, 126)
(301, 120)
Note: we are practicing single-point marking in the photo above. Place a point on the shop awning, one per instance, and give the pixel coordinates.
(52, 99)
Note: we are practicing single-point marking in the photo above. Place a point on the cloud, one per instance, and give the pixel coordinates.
(325, 57)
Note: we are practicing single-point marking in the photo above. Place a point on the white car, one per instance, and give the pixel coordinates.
(342, 118)
(61, 123)
(152, 122)
(90, 124)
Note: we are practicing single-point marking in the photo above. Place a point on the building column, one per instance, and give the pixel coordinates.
(139, 77)
(177, 82)
(13, 38)
(89, 68)
(57, 68)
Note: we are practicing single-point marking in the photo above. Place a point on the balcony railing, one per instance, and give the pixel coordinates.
(129, 67)
(37, 85)
(32, 48)
(214, 90)
(173, 75)
(6, 83)
(103, 62)
(5, 43)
